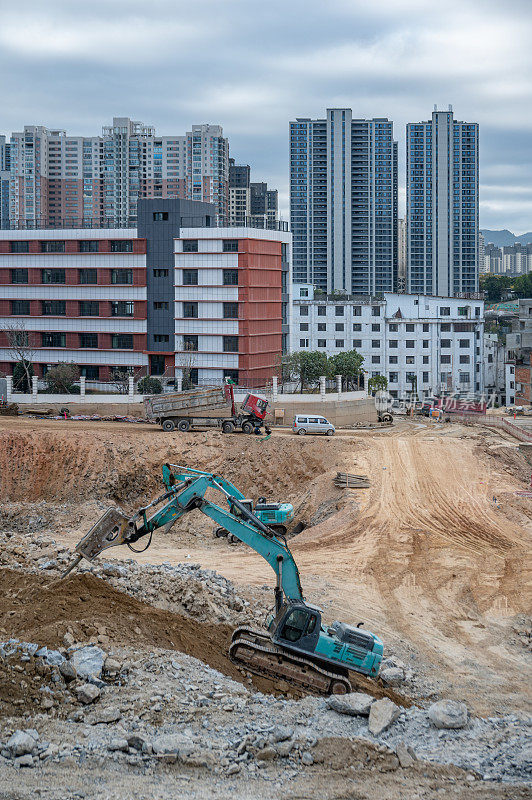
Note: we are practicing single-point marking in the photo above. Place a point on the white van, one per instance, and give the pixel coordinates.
(304, 423)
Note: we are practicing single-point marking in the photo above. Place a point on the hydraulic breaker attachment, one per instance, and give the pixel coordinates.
(110, 531)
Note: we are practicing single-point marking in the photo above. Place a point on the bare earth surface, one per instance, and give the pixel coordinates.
(434, 557)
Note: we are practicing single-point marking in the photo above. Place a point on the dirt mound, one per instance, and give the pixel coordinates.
(38, 610)
(76, 465)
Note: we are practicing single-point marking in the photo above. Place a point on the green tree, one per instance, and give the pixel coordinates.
(377, 382)
(494, 286)
(523, 285)
(347, 364)
(303, 367)
(60, 379)
(149, 386)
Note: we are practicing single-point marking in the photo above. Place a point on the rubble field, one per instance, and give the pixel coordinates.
(116, 683)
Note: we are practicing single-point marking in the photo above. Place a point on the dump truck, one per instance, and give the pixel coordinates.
(198, 408)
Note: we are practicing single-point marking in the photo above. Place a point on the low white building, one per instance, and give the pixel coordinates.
(432, 343)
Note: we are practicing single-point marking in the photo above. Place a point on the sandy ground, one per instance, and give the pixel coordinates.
(433, 557)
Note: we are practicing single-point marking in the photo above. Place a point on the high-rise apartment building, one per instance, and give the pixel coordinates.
(343, 202)
(401, 254)
(250, 202)
(56, 179)
(5, 163)
(442, 205)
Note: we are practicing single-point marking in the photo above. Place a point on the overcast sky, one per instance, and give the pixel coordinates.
(252, 65)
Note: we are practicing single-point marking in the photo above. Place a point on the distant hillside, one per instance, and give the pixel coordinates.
(505, 238)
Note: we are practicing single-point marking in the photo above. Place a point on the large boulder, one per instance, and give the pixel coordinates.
(448, 714)
(381, 715)
(392, 676)
(87, 693)
(88, 661)
(21, 743)
(172, 743)
(353, 704)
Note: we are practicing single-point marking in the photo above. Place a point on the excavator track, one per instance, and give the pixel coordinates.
(254, 650)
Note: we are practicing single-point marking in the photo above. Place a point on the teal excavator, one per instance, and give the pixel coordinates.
(296, 646)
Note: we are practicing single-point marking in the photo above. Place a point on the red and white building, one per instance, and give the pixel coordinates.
(83, 296)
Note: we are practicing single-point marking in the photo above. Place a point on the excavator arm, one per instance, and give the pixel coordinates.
(186, 494)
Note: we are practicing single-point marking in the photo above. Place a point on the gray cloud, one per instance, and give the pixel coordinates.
(252, 66)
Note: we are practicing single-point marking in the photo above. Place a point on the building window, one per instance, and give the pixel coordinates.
(230, 310)
(303, 311)
(122, 341)
(375, 311)
(445, 343)
(339, 326)
(375, 359)
(230, 277)
(303, 326)
(339, 311)
(357, 343)
(190, 277)
(53, 276)
(410, 360)
(322, 326)
(90, 372)
(122, 308)
(425, 377)
(410, 343)
(229, 375)
(393, 360)
(375, 343)
(160, 305)
(89, 308)
(230, 246)
(88, 340)
(357, 311)
(160, 273)
(410, 328)
(122, 276)
(425, 359)
(462, 311)
(303, 342)
(464, 359)
(20, 307)
(445, 311)
(230, 344)
(52, 247)
(88, 276)
(376, 327)
(445, 327)
(122, 246)
(160, 216)
(53, 308)
(303, 292)
(190, 342)
(322, 311)
(464, 343)
(190, 310)
(426, 343)
(19, 247)
(322, 342)
(477, 311)
(88, 246)
(393, 342)
(393, 327)
(161, 337)
(19, 276)
(357, 326)
(190, 245)
(339, 343)
(465, 377)
(445, 359)
(53, 339)
(393, 377)
(425, 327)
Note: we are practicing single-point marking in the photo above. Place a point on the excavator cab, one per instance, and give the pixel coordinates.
(297, 625)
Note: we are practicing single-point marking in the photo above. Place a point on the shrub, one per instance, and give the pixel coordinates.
(149, 386)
